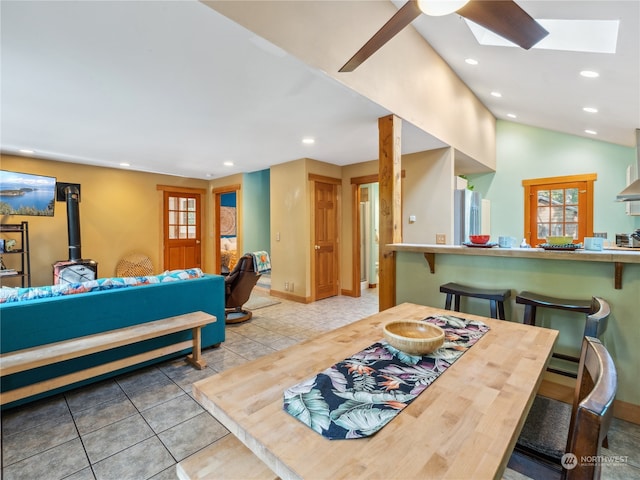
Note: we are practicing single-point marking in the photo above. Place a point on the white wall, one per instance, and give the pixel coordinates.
(427, 193)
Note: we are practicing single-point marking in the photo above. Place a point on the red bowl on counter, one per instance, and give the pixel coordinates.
(479, 239)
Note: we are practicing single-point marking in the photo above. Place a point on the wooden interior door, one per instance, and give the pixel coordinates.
(182, 230)
(325, 239)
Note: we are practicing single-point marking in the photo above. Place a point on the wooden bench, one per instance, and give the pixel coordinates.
(226, 459)
(34, 357)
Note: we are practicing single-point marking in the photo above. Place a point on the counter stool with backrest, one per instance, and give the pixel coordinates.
(496, 297)
(554, 428)
(596, 312)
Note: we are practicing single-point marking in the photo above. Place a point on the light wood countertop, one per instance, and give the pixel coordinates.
(464, 425)
(615, 255)
(612, 254)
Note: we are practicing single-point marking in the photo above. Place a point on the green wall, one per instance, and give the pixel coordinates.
(567, 279)
(256, 209)
(522, 153)
(527, 152)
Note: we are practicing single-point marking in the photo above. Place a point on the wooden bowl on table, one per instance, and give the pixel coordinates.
(414, 337)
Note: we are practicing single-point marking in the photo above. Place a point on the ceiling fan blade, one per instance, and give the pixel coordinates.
(505, 18)
(403, 17)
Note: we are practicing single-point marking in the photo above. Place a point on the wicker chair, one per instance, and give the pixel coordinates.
(134, 265)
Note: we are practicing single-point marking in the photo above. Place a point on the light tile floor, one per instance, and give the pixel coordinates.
(139, 425)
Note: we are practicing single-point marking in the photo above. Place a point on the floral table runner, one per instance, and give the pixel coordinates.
(361, 394)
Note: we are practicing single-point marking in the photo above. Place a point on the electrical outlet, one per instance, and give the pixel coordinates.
(286, 286)
(600, 234)
(291, 287)
(441, 238)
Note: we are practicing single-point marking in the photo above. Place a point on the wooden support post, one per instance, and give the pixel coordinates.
(389, 168)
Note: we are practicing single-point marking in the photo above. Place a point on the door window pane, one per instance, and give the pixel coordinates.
(543, 215)
(182, 212)
(571, 196)
(543, 197)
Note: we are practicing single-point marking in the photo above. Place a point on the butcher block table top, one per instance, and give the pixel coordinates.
(462, 426)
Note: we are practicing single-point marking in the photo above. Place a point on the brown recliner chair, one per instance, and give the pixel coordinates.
(238, 286)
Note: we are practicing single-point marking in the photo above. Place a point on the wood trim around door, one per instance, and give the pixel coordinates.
(216, 193)
(356, 182)
(162, 189)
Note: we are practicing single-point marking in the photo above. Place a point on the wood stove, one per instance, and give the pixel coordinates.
(75, 269)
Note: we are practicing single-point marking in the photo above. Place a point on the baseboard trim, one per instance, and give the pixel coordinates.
(626, 411)
(347, 293)
(563, 392)
(290, 296)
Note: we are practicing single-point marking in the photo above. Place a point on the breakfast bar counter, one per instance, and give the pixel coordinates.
(612, 274)
(616, 255)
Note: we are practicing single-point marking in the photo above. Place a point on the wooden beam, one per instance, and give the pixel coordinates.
(389, 173)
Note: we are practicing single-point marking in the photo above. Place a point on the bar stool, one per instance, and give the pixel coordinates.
(596, 310)
(496, 297)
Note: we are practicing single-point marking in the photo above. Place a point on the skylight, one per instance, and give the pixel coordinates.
(594, 36)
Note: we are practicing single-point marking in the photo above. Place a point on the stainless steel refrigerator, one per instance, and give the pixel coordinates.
(467, 206)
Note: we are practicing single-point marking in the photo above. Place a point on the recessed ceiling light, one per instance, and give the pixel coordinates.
(471, 61)
(496, 94)
(589, 74)
(125, 164)
(512, 115)
(228, 163)
(590, 109)
(308, 141)
(25, 150)
(591, 132)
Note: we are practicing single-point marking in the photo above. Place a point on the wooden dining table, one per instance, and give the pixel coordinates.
(463, 426)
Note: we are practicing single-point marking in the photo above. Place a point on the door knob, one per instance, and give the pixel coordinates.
(317, 247)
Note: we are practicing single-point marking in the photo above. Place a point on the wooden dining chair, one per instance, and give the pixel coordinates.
(555, 428)
(596, 311)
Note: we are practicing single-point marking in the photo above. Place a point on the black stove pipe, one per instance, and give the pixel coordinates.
(72, 195)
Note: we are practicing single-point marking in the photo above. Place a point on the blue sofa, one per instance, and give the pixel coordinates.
(25, 324)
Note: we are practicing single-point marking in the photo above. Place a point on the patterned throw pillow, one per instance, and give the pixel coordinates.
(22, 294)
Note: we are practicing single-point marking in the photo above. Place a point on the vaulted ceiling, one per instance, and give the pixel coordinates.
(174, 87)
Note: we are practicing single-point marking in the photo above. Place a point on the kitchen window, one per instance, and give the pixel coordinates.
(558, 206)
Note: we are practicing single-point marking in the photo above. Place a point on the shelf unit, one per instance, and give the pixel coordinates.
(18, 257)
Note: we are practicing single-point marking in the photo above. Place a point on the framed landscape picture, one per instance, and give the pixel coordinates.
(26, 194)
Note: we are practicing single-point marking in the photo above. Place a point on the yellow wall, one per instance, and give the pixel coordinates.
(291, 213)
(290, 229)
(120, 213)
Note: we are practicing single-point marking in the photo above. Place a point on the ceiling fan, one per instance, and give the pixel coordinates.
(503, 17)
